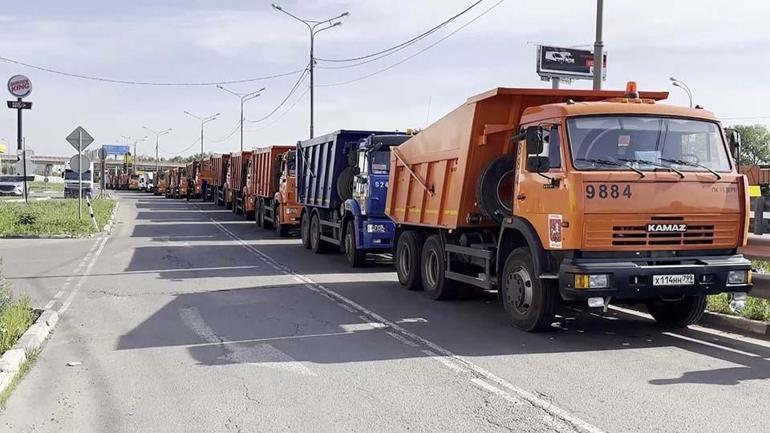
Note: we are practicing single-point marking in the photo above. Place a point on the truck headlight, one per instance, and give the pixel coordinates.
(737, 278)
(376, 228)
(291, 210)
(599, 281)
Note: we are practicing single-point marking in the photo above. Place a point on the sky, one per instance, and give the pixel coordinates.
(720, 49)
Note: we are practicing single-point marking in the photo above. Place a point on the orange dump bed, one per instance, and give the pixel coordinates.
(238, 165)
(756, 174)
(219, 165)
(433, 175)
(264, 169)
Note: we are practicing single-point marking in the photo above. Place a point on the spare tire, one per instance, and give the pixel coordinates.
(345, 183)
(494, 190)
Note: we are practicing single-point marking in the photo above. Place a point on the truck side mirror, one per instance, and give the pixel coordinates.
(534, 135)
(538, 164)
(734, 141)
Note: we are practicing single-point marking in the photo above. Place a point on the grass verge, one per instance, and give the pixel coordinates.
(39, 187)
(23, 370)
(53, 217)
(755, 309)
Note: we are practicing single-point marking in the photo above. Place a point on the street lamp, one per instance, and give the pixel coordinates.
(243, 97)
(314, 27)
(129, 139)
(681, 84)
(158, 134)
(203, 120)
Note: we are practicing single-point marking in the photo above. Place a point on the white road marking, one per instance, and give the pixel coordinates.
(494, 390)
(263, 355)
(402, 339)
(446, 361)
(49, 304)
(66, 304)
(374, 317)
(367, 326)
(58, 294)
(709, 344)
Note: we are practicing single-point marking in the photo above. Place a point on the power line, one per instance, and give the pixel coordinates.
(285, 112)
(291, 92)
(394, 49)
(185, 149)
(147, 83)
(342, 83)
(227, 137)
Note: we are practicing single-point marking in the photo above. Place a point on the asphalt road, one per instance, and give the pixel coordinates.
(188, 318)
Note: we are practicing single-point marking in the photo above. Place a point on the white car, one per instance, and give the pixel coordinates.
(11, 185)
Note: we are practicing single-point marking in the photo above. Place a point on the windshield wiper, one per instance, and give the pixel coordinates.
(692, 164)
(653, 163)
(612, 163)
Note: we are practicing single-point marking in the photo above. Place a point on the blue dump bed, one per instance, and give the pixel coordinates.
(320, 161)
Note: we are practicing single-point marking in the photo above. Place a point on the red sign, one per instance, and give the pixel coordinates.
(20, 86)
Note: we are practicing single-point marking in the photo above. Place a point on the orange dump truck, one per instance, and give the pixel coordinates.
(219, 168)
(182, 185)
(239, 170)
(204, 178)
(555, 196)
(161, 182)
(271, 188)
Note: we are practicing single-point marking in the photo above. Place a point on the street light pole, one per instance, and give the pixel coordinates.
(130, 139)
(599, 46)
(681, 84)
(203, 120)
(243, 97)
(158, 134)
(314, 27)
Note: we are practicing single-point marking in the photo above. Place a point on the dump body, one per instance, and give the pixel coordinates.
(320, 162)
(238, 165)
(758, 175)
(265, 170)
(449, 156)
(219, 165)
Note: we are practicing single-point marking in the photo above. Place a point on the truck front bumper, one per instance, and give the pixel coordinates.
(377, 234)
(635, 279)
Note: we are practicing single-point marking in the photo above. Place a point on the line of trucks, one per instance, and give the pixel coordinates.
(544, 196)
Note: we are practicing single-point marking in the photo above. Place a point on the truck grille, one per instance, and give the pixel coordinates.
(631, 232)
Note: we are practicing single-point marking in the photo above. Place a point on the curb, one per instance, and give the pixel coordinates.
(32, 339)
(735, 323)
(107, 229)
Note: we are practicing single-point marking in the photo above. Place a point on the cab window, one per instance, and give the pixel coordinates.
(551, 146)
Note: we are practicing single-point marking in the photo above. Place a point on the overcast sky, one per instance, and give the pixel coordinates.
(721, 49)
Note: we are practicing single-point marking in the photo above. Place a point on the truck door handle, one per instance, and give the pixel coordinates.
(521, 197)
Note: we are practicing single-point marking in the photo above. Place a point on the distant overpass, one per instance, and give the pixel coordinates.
(60, 162)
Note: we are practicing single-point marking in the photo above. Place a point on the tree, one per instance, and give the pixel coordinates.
(755, 144)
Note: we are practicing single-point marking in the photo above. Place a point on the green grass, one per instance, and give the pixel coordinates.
(23, 370)
(762, 266)
(38, 187)
(52, 217)
(755, 309)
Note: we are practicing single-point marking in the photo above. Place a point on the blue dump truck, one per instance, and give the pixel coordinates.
(342, 182)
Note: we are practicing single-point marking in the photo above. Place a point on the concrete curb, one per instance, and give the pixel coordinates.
(111, 223)
(32, 340)
(735, 323)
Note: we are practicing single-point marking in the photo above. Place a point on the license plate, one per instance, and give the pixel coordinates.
(673, 280)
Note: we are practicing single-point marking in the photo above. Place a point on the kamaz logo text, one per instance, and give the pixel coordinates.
(667, 228)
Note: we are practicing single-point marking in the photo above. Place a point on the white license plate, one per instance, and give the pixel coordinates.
(673, 280)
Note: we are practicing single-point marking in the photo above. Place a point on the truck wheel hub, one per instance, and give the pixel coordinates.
(519, 290)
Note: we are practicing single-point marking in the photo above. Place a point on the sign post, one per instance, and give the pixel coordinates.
(80, 139)
(20, 87)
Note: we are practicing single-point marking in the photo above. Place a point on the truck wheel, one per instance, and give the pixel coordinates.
(494, 190)
(407, 260)
(432, 268)
(304, 230)
(530, 303)
(267, 225)
(356, 258)
(677, 314)
(345, 183)
(316, 244)
(280, 229)
(258, 212)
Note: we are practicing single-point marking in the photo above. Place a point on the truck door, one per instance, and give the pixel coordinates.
(361, 181)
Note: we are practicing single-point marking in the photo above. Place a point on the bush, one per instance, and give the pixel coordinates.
(26, 217)
(15, 316)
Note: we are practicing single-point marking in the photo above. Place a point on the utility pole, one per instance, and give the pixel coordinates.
(599, 46)
(203, 120)
(314, 27)
(243, 97)
(681, 84)
(158, 134)
(135, 141)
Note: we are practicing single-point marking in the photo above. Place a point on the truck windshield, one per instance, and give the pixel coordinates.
(646, 143)
(380, 162)
(291, 166)
(71, 175)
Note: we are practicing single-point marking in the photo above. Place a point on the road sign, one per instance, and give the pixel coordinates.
(24, 105)
(561, 62)
(80, 139)
(20, 86)
(115, 149)
(75, 164)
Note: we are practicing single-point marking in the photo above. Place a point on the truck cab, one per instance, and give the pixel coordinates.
(71, 183)
(286, 196)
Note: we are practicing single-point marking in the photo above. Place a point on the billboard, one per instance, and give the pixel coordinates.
(571, 63)
(115, 149)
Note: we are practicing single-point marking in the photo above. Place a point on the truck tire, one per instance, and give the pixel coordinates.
(677, 314)
(258, 215)
(494, 190)
(304, 230)
(280, 229)
(267, 225)
(530, 303)
(316, 244)
(432, 269)
(407, 259)
(345, 183)
(356, 258)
